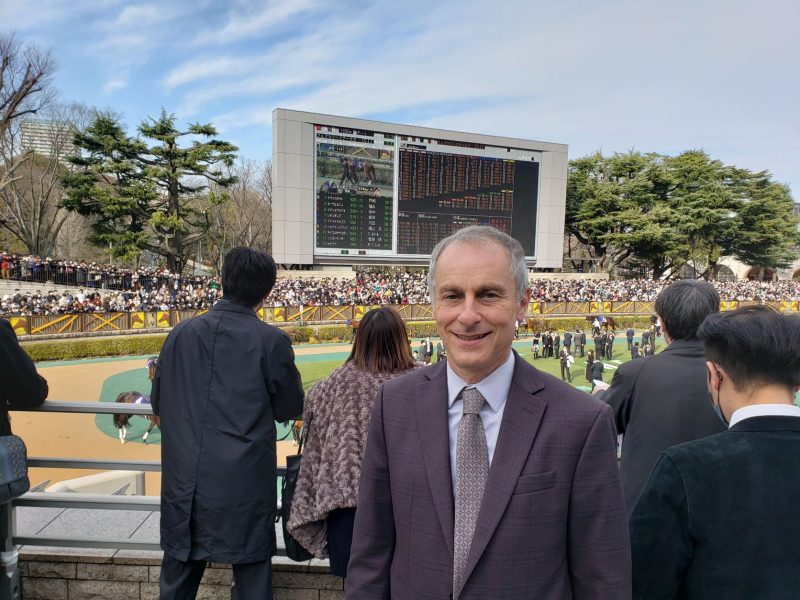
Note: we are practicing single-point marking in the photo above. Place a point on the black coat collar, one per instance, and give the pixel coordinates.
(229, 306)
(768, 423)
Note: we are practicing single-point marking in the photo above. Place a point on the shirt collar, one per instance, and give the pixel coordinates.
(494, 387)
(764, 410)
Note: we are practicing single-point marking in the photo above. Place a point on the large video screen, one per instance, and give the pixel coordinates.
(381, 195)
(354, 197)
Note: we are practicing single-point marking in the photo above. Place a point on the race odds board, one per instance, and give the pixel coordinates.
(385, 194)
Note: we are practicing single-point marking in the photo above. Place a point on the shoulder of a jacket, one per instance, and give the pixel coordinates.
(708, 447)
(404, 384)
(634, 367)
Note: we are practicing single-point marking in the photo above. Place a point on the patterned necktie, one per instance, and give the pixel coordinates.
(472, 470)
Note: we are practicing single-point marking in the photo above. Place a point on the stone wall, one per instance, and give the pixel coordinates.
(57, 575)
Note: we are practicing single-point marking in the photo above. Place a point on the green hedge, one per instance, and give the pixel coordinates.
(140, 345)
(421, 329)
(572, 323)
(136, 345)
(334, 333)
(299, 335)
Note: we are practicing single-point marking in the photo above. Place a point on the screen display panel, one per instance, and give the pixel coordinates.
(355, 197)
(381, 194)
(440, 193)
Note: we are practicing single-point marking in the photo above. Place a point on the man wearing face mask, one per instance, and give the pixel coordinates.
(718, 516)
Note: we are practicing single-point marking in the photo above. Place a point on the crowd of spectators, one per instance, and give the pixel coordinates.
(91, 275)
(108, 288)
(584, 290)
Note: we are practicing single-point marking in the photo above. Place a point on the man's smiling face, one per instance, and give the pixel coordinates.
(476, 307)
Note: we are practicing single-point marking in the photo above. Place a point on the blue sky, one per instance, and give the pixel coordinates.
(612, 76)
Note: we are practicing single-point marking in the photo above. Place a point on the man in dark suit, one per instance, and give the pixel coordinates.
(556, 344)
(22, 386)
(629, 335)
(718, 516)
(581, 340)
(610, 335)
(599, 346)
(551, 523)
(660, 401)
(568, 341)
(223, 379)
(547, 341)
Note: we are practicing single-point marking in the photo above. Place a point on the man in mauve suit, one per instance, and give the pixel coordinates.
(549, 522)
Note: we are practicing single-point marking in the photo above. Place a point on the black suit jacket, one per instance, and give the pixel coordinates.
(22, 386)
(718, 517)
(659, 401)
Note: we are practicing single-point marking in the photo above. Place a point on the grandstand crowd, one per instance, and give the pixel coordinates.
(109, 288)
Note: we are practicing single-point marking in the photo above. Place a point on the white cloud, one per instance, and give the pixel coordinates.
(114, 85)
(662, 78)
(22, 15)
(201, 69)
(246, 21)
(132, 37)
(138, 16)
(614, 75)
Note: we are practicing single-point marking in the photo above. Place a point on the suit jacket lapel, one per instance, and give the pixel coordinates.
(431, 400)
(521, 418)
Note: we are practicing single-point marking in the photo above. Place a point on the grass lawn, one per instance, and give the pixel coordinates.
(314, 371)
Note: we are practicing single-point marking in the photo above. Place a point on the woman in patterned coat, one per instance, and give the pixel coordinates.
(335, 417)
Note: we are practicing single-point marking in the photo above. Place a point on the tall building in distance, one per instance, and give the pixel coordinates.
(47, 137)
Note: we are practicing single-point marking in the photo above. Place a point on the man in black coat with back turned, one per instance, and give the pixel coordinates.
(718, 516)
(662, 400)
(22, 387)
(222, 381)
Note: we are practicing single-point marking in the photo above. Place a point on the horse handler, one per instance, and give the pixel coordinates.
(222, 381)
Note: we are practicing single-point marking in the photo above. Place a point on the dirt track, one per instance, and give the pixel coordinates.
(77, 436)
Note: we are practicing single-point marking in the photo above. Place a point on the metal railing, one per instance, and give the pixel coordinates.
(90, 501)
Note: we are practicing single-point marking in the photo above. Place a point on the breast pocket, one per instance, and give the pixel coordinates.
(535, 482)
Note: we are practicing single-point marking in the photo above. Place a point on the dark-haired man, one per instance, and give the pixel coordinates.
(22, 388)
(629, 333)
(718, 516)
(662, 400)
(223, 379)
(580, 341)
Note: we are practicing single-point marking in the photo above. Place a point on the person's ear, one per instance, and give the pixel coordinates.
(715, 377)
(522, 307)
